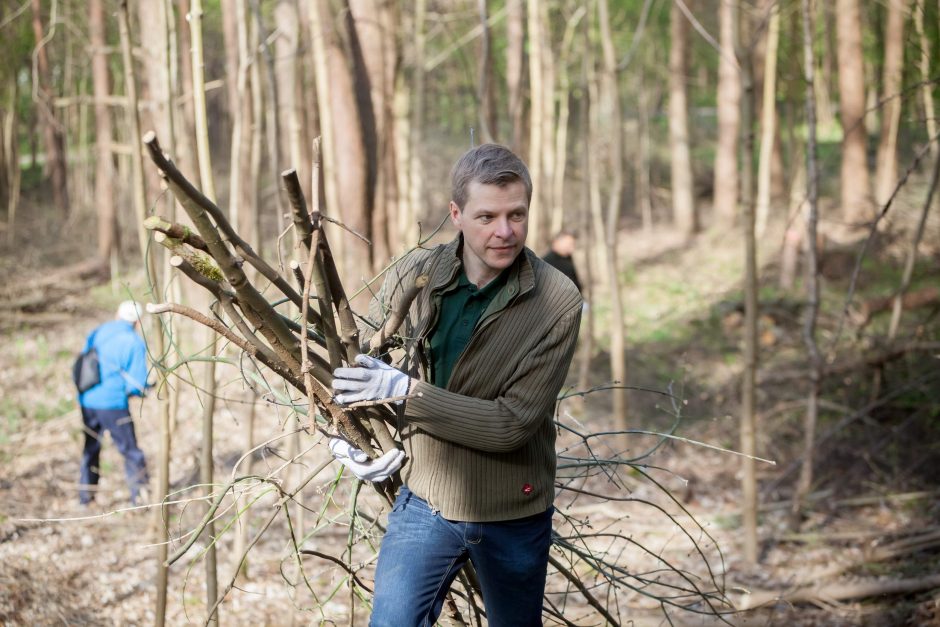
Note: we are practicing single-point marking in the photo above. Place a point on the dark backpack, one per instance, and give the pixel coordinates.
(85, 371)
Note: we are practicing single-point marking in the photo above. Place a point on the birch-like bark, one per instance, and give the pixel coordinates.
(811, 312)
(768, 123)
(854, 182)
(104, 163)
(683, 203)
(748, 431)
(155, 339)
(886, 173)
(611, 115)
(729, 118)
(207, 183)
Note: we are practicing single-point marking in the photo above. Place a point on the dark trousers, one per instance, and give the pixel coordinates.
(119, 424)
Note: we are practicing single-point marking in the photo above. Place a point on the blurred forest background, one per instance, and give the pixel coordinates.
(752, 184)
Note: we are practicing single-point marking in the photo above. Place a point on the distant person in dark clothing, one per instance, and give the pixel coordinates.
(560, 256)
(122, 359)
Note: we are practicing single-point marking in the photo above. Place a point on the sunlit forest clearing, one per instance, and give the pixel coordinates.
(748, 431)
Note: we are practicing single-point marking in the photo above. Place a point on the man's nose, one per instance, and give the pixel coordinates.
(503, 228)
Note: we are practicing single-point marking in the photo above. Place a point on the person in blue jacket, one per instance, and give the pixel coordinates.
(122, 359)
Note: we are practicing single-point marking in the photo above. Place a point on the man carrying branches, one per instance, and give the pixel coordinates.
(487, 344)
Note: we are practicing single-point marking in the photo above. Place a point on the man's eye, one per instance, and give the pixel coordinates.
(486, 219)
(518, 217)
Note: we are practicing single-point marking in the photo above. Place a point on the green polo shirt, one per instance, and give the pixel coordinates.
(462, 305)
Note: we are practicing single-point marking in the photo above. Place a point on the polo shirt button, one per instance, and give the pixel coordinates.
(464, 323)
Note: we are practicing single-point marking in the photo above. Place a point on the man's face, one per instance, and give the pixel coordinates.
(494, 223)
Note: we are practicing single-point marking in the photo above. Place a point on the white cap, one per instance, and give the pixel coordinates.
(130, 311)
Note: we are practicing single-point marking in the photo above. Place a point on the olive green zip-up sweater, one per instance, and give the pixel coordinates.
(483, 449)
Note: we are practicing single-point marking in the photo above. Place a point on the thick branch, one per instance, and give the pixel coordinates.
(198, 199)
(278, 367)
(176, 231)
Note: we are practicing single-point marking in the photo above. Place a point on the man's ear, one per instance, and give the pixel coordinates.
(455, 214)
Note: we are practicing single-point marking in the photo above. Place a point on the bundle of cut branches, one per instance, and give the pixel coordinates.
(303, 349)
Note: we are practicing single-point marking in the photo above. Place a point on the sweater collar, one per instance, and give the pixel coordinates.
(521, 276)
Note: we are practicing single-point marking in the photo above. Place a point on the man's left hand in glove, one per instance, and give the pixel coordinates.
(373, 380)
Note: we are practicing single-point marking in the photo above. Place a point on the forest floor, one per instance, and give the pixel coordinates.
(872, 517)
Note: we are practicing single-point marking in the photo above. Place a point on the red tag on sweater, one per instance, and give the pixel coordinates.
(527, 488)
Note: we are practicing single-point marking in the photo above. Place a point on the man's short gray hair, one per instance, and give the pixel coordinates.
(488, 164)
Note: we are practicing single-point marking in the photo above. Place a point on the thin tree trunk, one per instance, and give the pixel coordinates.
(886, 174)
(644, 187)
(207, 183)
(229, 11)
(340, 118)
(155, 338)
(897, 304)
(407, 224)
(611, 115)
(926, 89)
(11, 150)
(240, 157)
(751, 305)
(52, 133)
(538, 93)
(854, 178)
(485, 79)
(586, 340)
(729, 118)
(374, 24)
(768, 125)
(185, 109)
(558, 218)
(811, 312)
(515, 62)
(683, 203)
(294, 153)
(104, 163)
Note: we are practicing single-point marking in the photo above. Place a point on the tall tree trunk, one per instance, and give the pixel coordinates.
(539, 92)
(156, 338)
(52, 132)
(375, 22)
(886, 173)
(558, 217)
(824, 111)
(515, 62)
(155, 86)
(416, 124)
(340, 119)
(184, 112)
(611, 115)
(897, 304)
(854, 179)
(485, 80)
(683, 203)
(104, 162)
(12, 154)
(926, 89)
(229, 11)
(294, 153)
(729, 114)
(751, 312)
(768, 124)
(811, 312)
(207, 183)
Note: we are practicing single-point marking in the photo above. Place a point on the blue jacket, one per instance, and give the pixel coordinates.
(122, 357)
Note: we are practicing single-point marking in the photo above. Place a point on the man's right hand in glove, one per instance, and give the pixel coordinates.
(359, 463)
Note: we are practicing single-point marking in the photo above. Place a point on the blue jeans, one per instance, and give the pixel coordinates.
(422, 553)
(119, 424)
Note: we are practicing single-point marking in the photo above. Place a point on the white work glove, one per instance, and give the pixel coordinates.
(359, 463)
(374, 380)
